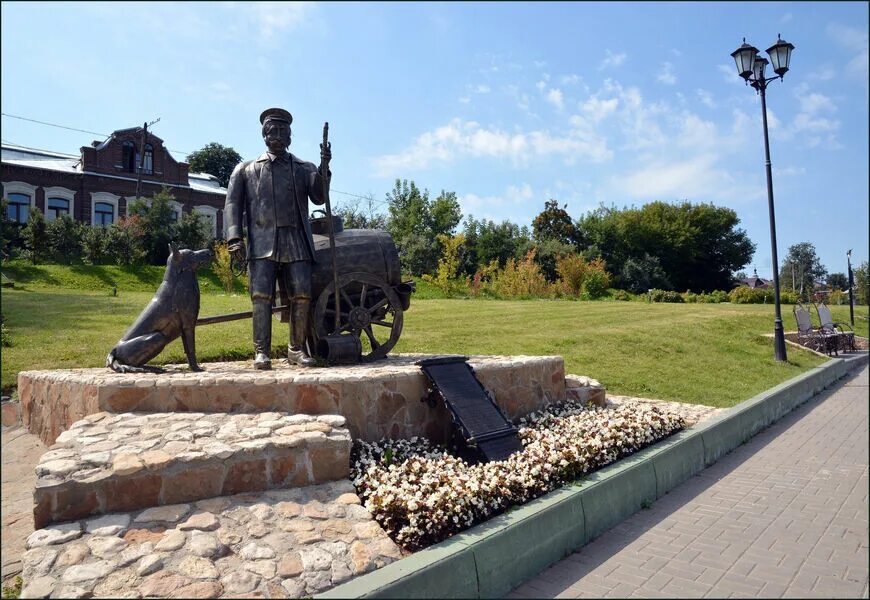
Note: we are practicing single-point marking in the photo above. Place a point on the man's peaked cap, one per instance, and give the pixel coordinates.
(277, 114)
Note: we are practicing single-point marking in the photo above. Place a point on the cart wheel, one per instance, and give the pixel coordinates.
(368, 308)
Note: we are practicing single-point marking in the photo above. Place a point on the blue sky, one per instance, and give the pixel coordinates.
(507, 104)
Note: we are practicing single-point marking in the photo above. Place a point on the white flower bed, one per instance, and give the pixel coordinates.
(421, 495)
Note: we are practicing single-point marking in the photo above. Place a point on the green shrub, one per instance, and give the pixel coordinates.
(839, 297)
(447, 276)
(5, 337)
(747, 295)
(690, 297)
(623, 296)
(596, 282)
(718, 296)
(665, 296)
(522, 279)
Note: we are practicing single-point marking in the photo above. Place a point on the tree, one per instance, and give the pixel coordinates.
(698, 246)
(65, 239)
(487, 241)
(415, 223)
(444, 214)
(641, 274)
(838, 281)
(861, 277)
(192, 231)
(801, 269)
(554, 223)
(10, 232)
(35, 237)
(355, 216)
(94, 240)
(124, 241)
(216, 160)
(408, 210)
(157, 223)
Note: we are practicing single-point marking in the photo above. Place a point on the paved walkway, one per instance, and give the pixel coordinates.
(786, 514)
(21, 451)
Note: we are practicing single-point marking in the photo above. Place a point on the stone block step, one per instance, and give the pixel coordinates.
(110, 463)
(379, 399)
(584, 389)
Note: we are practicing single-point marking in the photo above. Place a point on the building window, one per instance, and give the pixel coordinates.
(148, 165)
(210, 213)
(129, 156)
(56, 207)
(104, 213)
(19, 208)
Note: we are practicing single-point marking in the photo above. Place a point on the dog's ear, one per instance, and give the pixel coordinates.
(173, 249)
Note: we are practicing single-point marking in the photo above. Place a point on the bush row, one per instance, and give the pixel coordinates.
(142, 237)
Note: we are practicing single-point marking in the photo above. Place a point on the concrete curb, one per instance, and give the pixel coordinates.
(492, 558)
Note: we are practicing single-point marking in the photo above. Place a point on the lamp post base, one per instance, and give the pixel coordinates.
(779, 342)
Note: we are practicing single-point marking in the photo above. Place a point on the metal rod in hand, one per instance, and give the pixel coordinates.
(324, 171)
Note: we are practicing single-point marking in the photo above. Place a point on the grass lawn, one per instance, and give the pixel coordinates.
(703, 353)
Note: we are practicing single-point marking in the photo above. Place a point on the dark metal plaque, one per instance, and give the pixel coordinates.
(482, 424)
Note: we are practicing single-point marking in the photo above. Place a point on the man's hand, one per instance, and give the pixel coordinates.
(325, 153)
(237, 249)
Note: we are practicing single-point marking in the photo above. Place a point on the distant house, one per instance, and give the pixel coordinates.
(96, 186)
(756, 282)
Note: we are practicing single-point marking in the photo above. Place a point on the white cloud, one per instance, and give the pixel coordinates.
(786, 18)
(482, 206)
(814, 103)
(699, 178)
(612, 60)
(464, 99)
(274, 17)
(555, 97)
(855, 41)
(460, 138)
(571, 79)
(706, 98)
(729, 74)
(666, 75)
(597, 109)
(482, 88)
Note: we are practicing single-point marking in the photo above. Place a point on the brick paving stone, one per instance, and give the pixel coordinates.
(784, 515)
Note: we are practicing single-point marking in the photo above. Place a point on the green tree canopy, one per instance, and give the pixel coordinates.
(838, 281)
(697, 246)
(801, 269)
(554, 223)
(415, 222)
(861, 277)
(486, 241)
(216, 160)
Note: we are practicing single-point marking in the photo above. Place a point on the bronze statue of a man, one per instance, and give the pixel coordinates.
(270, 196)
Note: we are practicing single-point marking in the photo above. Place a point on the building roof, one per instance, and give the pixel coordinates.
(35, 158)
(40, 159)
(755, 281)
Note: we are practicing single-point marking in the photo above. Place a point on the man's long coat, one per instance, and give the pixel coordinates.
(250, 202)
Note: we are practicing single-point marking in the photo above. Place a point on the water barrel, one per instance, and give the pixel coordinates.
(357, 251)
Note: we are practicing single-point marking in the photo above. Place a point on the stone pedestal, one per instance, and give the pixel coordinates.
(382, 399)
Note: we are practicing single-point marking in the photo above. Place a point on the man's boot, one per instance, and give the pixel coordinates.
(299, 327)
(262, 310)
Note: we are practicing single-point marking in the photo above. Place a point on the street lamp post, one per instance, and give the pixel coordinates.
(750, 66)
(851, 286)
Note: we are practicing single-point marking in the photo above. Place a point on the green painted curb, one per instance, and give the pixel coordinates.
(492, 558)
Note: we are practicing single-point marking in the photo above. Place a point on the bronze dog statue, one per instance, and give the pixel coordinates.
(172, 312)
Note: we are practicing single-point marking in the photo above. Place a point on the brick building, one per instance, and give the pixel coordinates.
(96, 186)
